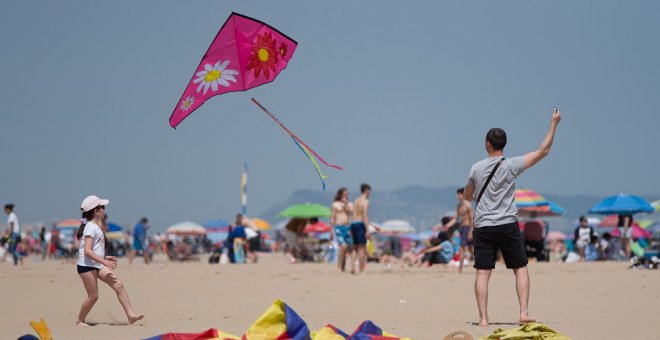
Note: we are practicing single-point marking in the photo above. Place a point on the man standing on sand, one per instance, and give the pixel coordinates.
(360, 224)
(496, 221)
(139, 240)
(464, 215)
(340, 220)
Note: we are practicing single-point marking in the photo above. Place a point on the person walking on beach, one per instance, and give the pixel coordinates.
(463, 216)
(360, 224)
(93, 265)
(495, 217)
(14, 231)
(340, 220)
(139, 240)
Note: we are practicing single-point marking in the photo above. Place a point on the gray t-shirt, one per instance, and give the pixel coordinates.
(497, 205)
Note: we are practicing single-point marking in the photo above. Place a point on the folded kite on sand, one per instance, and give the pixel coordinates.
(281, 322)
(532, 331)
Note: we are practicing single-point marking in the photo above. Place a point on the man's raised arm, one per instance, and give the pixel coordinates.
(535, 156)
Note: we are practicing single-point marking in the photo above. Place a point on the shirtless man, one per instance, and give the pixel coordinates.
(463, 215)
(340, 219)
(359, 225)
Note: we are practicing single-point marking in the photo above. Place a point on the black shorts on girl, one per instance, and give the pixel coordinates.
(85, 269)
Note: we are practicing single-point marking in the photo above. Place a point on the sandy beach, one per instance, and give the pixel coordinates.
(584, 300)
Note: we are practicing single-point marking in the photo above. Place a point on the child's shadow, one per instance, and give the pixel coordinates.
(93, 324)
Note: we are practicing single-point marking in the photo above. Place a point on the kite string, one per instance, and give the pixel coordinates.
(272, 116)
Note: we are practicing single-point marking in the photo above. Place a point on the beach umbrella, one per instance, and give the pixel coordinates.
(546, 210)
(637, 232)
(114, 235)
(318, 227)
(305, 210)
(555, 235)
(591, 221)
(216, 224)
(621, 204)
(186, 228)
(280, 225)
(528, 198)
(261, 223)
(656, 205)
(114, 227)
(68, 223)
(399, 226)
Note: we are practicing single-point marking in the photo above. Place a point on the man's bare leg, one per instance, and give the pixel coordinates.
(522, 288)
(341, 259)
(362, 256)
(461, 257)
(481, 292)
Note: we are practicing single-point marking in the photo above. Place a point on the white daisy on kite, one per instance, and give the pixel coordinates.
(211, 76)
(187, 103)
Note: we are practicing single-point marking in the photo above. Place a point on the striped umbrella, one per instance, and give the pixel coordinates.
(529, 198)
(548, 210)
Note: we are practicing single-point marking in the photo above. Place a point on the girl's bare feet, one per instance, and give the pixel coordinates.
(484, 323)
(81, 324)
(133, 319)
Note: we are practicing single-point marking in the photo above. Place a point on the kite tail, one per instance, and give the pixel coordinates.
(295, 137)
(313, 160)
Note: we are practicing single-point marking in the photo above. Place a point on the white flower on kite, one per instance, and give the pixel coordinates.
(212, 75)
(187, 103)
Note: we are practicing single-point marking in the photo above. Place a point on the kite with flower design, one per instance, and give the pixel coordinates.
(244, 54)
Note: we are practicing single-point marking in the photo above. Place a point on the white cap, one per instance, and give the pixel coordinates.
(91, 202)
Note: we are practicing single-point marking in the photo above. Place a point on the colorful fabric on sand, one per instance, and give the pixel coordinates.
(244, 54)
(533, 331)
(280, 322)
(309, 152)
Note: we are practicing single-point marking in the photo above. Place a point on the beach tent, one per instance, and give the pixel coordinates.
(186, 228)
(637, 232)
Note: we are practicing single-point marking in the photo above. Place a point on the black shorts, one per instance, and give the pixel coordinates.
(359, 233)
(85, 269)
(254, 244)
(507, 237)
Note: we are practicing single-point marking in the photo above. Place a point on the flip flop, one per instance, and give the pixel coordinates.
(458, 335)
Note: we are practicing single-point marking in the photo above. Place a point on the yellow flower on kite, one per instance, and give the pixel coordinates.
(212, 75)
(187, 103)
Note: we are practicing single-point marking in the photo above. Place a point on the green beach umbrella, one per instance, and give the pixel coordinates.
(306, 210)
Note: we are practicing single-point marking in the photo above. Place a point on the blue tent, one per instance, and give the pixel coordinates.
(622, 204)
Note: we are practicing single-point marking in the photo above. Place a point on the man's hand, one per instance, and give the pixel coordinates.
(556, 116)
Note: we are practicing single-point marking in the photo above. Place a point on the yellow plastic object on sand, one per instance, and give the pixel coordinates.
(528, 331)
(42, 329)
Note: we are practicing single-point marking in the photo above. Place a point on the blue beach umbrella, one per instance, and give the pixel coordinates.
(114, 227)
(217, 224)
(622, 204)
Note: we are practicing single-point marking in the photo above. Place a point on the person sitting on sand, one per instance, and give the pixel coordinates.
(441, 250)
(591, 251)
(583, 235)
(93, 264)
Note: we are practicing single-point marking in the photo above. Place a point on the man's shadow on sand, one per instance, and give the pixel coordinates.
(497, 323)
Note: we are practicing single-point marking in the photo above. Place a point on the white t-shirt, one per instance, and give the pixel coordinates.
(98, 247)
(14, 218)
(584, 234)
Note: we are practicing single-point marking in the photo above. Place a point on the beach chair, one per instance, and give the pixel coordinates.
(534, 237)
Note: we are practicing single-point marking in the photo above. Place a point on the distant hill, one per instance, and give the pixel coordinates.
(424, 207)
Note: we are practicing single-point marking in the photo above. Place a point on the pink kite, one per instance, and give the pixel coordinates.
(246, 53)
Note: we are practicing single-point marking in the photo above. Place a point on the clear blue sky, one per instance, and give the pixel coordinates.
(399, 93)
